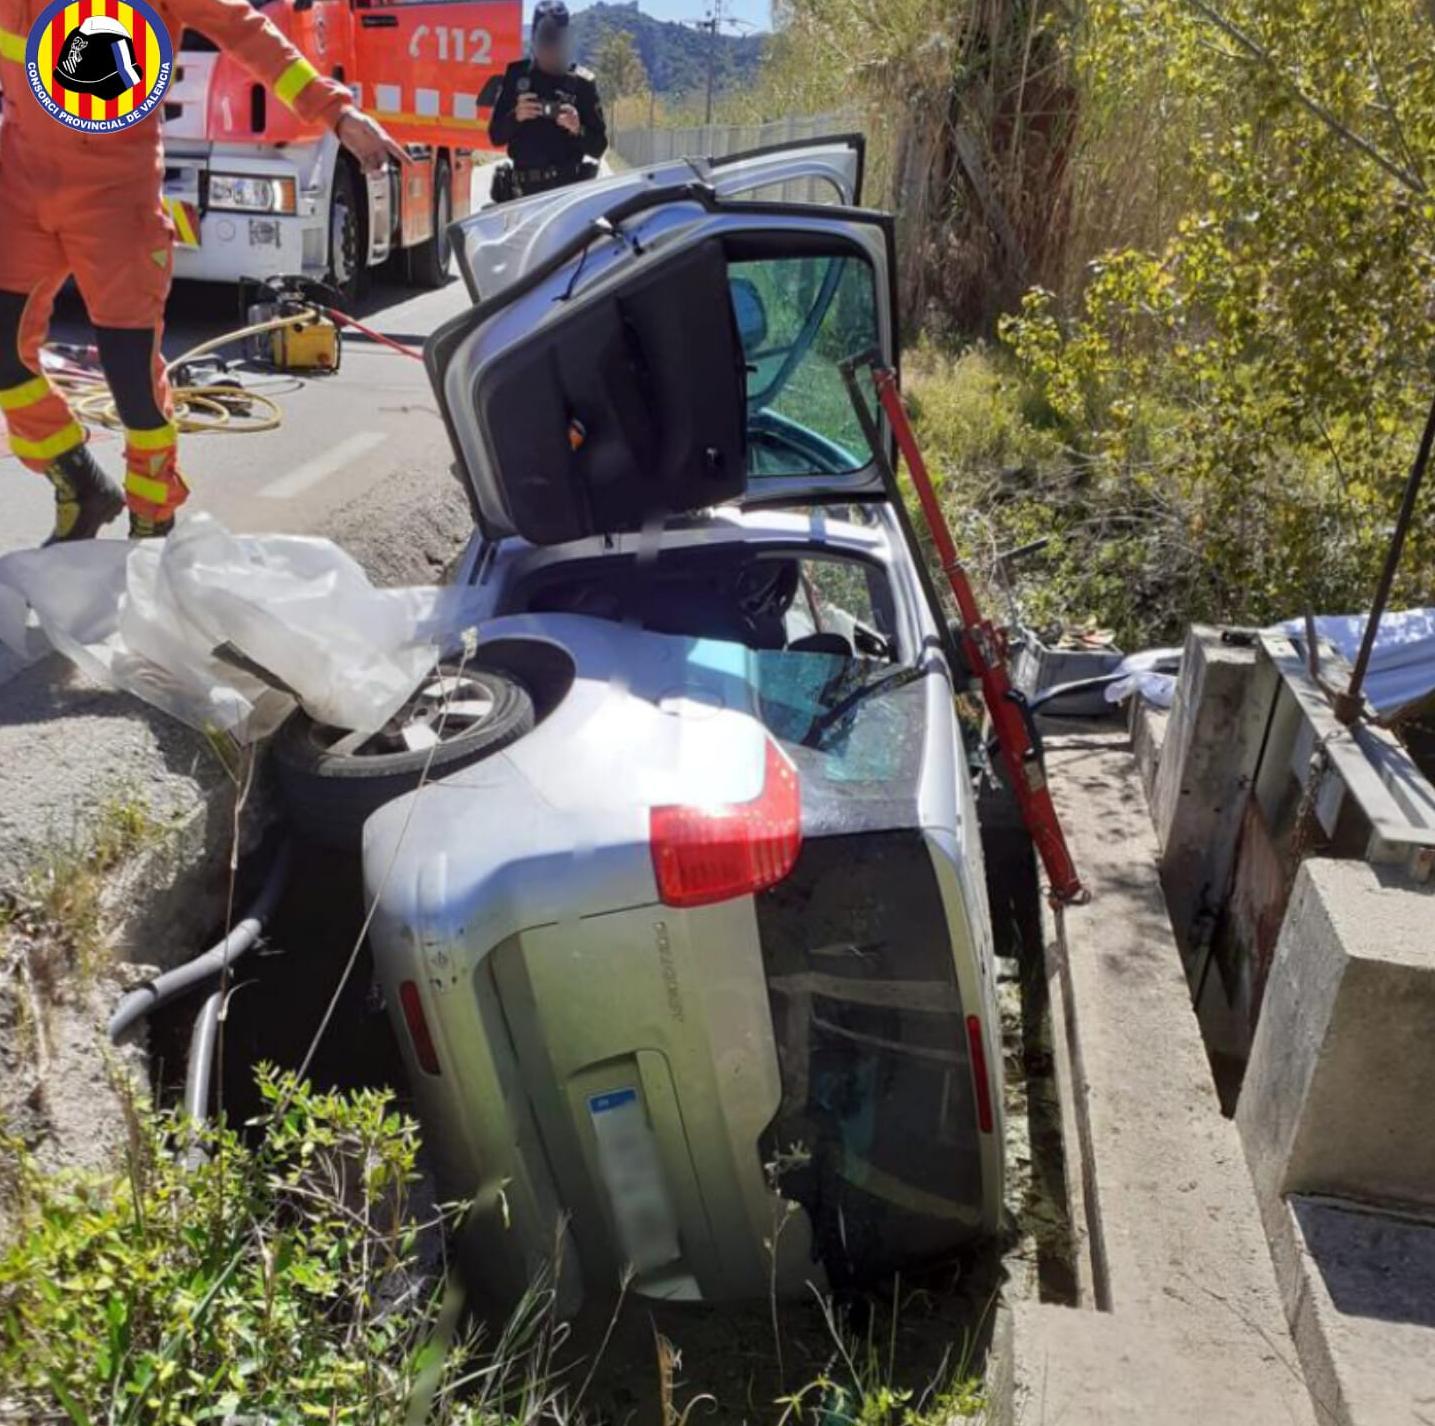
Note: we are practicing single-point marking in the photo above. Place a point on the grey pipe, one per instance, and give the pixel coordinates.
(164, 988)
(201, 1059)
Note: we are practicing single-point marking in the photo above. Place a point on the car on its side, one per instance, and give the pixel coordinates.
(686, 937)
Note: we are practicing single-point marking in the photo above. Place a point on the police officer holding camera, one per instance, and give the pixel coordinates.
(548, 114)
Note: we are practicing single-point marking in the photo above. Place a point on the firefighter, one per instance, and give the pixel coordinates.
(88, 203)
(548, 115)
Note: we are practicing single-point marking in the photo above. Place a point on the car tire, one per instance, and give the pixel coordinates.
(346, 232)
(329, 795)
(429, 261)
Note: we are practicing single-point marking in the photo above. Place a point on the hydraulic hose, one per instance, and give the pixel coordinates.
(165, 988)
(220, 407)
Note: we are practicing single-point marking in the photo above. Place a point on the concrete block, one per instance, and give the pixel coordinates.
(1212, 746)
(67, 750)
(1339, 1094)
(1148, 739)
(1361, 1294)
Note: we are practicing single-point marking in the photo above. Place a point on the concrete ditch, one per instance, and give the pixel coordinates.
(1261, 943)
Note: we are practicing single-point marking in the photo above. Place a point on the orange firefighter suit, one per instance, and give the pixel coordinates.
(89, 204)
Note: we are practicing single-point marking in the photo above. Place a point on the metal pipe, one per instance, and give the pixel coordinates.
(1349, 704)
(164, 988)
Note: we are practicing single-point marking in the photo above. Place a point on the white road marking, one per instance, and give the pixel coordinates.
(314, 472)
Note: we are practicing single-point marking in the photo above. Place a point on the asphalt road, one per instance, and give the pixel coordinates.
(373, 421)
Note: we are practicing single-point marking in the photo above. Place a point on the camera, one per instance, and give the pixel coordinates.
(549, 109)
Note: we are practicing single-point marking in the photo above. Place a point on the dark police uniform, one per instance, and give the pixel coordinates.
(545, 156)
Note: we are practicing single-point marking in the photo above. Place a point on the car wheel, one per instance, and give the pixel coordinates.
(457, 716)
(428, 262)
(346, 260)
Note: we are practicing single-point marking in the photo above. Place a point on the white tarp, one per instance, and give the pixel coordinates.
(1402, 663)
(225, 632)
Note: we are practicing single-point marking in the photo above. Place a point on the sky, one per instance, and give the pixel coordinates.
(756, 13)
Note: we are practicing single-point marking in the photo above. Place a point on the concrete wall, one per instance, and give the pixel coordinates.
(1339, 1095)
(1208, 761)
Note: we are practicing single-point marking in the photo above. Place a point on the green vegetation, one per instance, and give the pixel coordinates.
(619, 67)
(281, 1280)
(58, 907)
(1197, 242)
(861, 1385)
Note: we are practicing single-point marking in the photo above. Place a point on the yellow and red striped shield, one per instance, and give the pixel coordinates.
(152, 58)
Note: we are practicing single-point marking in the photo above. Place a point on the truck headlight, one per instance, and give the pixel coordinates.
(252, 195)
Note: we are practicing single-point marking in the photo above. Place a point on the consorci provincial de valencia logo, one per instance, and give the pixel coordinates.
(98, 66)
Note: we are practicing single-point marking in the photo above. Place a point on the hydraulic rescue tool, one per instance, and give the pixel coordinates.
(982, 646)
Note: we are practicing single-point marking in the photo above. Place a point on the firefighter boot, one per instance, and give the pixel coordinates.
(153, 485)
(147, 527)
(86, 499)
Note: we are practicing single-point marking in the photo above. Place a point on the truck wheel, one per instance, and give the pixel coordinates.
(428, 261)
(458, 716)
(346, 253)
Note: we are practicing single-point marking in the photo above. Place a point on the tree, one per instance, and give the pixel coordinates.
(1261, 371)
(619, 67)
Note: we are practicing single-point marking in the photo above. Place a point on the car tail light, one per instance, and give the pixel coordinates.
(707, 854)
(979, 1073)
(418, 1027)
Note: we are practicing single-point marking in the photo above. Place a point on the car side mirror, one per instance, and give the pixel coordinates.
(751, 313)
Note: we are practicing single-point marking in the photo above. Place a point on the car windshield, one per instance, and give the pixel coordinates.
(799, 318)
(844, 710)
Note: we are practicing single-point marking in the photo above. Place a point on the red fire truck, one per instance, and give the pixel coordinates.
(256, 193)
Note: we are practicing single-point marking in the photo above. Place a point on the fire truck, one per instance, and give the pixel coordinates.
(256, 193)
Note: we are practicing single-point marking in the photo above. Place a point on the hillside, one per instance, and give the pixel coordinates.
(675, 55)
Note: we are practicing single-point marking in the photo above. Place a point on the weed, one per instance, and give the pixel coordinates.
(861, 1384)
(284, 1280)
(59, 905)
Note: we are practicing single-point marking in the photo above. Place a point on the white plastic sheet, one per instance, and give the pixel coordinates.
(226, 632)
(1402, 663)
(1143, 673)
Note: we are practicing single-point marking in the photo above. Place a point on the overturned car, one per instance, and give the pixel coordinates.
(686, 936)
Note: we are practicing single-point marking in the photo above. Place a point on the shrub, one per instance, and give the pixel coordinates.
(1247, 394)
(279, 1280)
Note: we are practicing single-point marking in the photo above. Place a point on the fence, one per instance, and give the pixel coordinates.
(642, 147)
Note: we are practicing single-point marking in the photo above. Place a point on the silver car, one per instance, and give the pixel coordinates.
(692, 966)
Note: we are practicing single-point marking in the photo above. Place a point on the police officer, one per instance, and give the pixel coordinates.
(548, 115)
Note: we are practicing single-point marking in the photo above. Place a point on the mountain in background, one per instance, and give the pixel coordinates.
(675, 55)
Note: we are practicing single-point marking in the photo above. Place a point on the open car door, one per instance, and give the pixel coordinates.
(679, 352)
(500, 244)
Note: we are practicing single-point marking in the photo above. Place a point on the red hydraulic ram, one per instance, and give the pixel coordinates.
(980, 643)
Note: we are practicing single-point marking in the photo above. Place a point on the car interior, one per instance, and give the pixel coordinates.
(767, 600)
